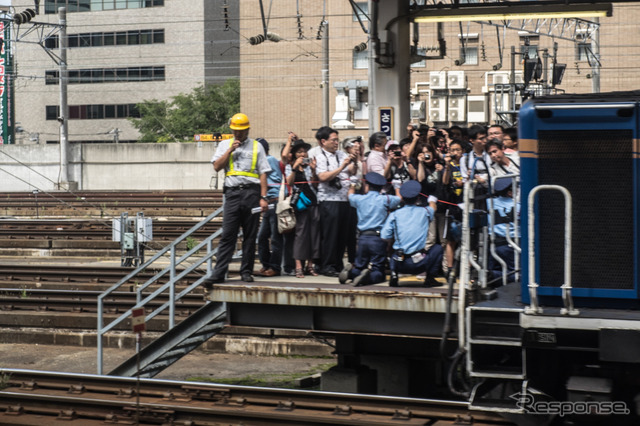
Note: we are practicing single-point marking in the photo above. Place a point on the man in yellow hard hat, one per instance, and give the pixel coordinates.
(245, 187)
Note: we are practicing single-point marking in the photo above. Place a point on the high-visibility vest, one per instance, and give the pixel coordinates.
(254, 162)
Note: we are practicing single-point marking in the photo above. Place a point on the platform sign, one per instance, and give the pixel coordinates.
(385, 121)
(137, 320)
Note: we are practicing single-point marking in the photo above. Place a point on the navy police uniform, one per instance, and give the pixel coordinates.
(408, 228)
(372, 208)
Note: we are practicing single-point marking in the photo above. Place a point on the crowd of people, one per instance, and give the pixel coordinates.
(392, 207)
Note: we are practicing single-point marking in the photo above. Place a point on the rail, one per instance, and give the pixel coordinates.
(170, 285)
(566, 287)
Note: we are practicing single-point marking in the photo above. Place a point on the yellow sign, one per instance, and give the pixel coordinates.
(216, 137)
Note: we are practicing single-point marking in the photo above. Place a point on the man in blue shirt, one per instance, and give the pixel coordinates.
(407, 228)
(372, 208)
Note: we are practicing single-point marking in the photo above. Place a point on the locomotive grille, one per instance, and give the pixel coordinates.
(597, 169)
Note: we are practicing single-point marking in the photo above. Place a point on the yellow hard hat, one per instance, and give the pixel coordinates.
(239, 122)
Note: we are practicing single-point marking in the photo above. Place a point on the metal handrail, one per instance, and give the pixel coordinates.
(492, 214)
(169, 285)
(566, 287)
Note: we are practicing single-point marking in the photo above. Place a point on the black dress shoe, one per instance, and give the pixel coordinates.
(330, 272)
(210, 281)
(247, 278)
(393, 280)
(431, 282)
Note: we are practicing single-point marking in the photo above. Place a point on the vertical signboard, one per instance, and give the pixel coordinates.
(6, 98)
(385, 121)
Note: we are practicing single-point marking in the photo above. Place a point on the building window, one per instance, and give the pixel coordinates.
(360, 11)
(361, 59)
(470, 55)
(108, 75)
(132, 38)
(583, 52)
(94, 112)
(51, 6)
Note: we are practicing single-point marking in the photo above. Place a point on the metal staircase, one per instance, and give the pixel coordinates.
(180, 339)
(175, 343)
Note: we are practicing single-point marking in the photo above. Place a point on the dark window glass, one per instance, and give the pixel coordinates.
(97, 76)
(108, 39)
(121, 74)
(134, 73)
(158, 36)
(84, 112)
(121, 38)
(52, 112)
(73, 40)
(133, 37)
(146, 37)
(121, 111)
(84, 40)
(110, 75)
(74, 76)
(96, 39)
(72, 5)
(109, 111)
(158, 2)
(84, 6)
(133, 111)
(74, 112)
(51, 77)
(49, 6)
(51, 42)
(146, 74)
(158, 73)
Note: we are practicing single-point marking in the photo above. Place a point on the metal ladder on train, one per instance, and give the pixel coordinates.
(179, 339)
(493, 335)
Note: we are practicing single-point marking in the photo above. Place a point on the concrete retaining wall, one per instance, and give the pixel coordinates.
(168, 166)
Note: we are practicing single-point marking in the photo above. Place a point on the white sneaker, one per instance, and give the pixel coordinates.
(422, 276)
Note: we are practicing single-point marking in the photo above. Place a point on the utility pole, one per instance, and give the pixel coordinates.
(64, 182)
(325, 73)
(595, 67)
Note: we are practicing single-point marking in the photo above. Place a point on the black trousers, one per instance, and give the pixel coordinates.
(237, 213)
(334, 224)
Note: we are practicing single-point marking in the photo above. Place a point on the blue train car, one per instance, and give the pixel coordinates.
(587, 144)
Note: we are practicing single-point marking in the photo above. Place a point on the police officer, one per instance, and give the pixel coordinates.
(372, 208)
(245, 187)
(408, 228)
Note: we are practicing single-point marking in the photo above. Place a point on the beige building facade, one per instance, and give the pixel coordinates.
(282, 81)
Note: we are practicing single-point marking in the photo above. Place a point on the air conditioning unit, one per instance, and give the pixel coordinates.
(456, 80)
(438, 109)
(457, 108)
(437, 80)
(476, 109)
(500, 77)
(418, 110)
(342, 108)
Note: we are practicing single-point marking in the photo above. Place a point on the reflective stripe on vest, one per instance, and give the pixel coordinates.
(254, 162)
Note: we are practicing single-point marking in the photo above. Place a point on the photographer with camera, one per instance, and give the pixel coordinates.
(334, 168)
(398, 170)
(353, 147)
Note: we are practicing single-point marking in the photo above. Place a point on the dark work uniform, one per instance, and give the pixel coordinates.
(241, 194)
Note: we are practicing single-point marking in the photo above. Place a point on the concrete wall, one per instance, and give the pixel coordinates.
(109, 166)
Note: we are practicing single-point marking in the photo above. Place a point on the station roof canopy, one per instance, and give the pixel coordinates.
(452, 12)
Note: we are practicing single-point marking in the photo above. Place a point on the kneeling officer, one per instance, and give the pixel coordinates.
(372, 208)
(408, 228)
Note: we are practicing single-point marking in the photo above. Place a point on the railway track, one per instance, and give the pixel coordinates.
(183, 203)
(37, 398)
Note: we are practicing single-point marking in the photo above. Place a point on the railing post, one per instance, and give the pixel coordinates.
(172, 288)
(99, 335)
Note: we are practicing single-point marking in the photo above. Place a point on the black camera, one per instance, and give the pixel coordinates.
(439, 134)
(427, 156)
(423, 130)
(306, 161)
(397, 153)
(335, 183)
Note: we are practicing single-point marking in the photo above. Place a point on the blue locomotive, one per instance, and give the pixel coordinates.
(563, 343)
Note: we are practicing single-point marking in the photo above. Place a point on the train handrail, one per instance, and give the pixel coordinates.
(169, 285)
(534, 307)
(515, 242)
